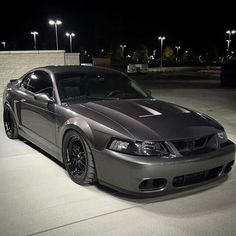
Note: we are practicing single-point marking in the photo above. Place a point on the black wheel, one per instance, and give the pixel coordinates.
(78, 159)
(10, 123)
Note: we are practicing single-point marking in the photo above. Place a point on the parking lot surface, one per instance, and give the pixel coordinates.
(38, 198)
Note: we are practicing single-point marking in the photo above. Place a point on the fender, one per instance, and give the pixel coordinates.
(79, 125)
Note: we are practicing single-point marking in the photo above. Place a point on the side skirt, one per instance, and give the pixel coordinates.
(53, 151)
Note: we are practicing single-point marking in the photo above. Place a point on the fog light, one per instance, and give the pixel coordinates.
(152, 184)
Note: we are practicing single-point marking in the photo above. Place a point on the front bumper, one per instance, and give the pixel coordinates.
(127, 173)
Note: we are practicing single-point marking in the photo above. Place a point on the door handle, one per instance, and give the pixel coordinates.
(23, 100)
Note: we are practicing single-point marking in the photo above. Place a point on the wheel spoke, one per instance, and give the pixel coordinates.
(81, 153)
(81, 163)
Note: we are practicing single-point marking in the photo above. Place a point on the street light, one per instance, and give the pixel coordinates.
(229, 32)
(3, 44)
(70, 35)
(228, 44)
(55, 23)
(162, 38)
(123, 49)
(123, 53)
(177, 52)
(34, 33)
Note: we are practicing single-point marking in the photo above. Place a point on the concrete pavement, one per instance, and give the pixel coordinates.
(38, 198)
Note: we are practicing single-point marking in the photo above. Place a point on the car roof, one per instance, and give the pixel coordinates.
(81, 69)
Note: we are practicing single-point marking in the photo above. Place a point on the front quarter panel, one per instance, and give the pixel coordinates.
(95, 128)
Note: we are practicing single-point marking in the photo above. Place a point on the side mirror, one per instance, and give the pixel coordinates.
(148, 92)
(43, 97)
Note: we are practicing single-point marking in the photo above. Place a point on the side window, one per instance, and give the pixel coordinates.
(40, 82)
(26, 80)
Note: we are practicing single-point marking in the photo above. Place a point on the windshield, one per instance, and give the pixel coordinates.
(73, 86)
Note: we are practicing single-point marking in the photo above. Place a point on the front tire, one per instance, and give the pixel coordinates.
(10, 124)
(78, 159)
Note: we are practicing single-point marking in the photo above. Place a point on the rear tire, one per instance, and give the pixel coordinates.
(10, 124)
(78, 159)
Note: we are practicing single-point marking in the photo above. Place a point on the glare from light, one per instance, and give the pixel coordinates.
(230, 31)
(33, 77)
(34, 33)
(3, 44)
(70, 34)
(51, 22)
(55, 22)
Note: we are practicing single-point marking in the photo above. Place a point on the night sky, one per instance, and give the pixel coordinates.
(100, 24)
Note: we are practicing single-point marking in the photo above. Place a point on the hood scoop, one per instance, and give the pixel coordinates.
(151, 111)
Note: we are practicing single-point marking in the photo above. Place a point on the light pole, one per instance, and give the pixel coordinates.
(229, 32)
(3, 44)
(34, 33)
(123, 49)
(162, 38)
(55, 23)
(123, 53)
(70, 35)
(228, 45)
(177, 52)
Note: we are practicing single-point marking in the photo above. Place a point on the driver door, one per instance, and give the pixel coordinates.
(38, 117)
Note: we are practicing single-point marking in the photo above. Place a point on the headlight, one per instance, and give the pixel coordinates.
(222, 137)
(146, 148)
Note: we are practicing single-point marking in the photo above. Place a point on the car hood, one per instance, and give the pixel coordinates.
(151, 119)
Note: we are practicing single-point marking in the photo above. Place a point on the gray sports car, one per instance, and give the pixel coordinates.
(106, 129)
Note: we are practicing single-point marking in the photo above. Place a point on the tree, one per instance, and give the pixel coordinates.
(213, 55)
(141, 54)
(189, 57)
(115, 53)
(168, 55)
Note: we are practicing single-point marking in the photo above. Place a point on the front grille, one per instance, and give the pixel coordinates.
(196, 146)
(197, 177)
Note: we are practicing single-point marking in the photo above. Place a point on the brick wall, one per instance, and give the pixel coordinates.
(72, 58)
(14, 64)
